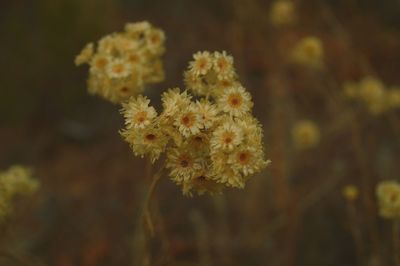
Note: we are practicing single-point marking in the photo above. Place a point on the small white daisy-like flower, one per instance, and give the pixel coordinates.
(118, 69)
(137, 27)
(155, 39)
(99, 63)
(188, 121)
(236, 101)
(247, 160)
(183, 164)
(202, 63)
(226, 137)
(207, 112)
(223, 65)
(138, 113)
(148, 141)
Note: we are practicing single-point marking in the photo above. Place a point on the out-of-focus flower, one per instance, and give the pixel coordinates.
(373, 93)
(350, 192)
(388, 193)
(123, 63)
(309, 52)
(305, 134)
(16, 181)
(283, 12)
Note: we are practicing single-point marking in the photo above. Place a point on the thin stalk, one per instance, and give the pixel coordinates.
(396, 242)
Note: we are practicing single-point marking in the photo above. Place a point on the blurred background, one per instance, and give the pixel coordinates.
(92, 187)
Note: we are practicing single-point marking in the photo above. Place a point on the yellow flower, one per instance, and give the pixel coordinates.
(223, 65)
(207, 112)
(202, 63)
(309, 52)
(247, 160)
(85, 55)
(148, 141)
(118, 69)
(155, 40)
(350, 192)
(173, 101)
(282, 12)
(305, 134)
(188, 121)
(236, 101)
(226, 137)
(99, 63)
(202, 183)
(183, 164)
(138, 113)
(388, 193)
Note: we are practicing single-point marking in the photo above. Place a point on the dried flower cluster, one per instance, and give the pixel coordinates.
(210, 143)
(16, 181)
(282, 13)
(388, 193)
(122, 63)
(305, 134)
(308, 52)
(374, 94)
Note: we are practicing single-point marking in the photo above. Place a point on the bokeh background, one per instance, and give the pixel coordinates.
(92, 187)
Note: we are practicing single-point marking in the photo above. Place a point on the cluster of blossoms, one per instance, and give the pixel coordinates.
(282, 13)
(210, 142)
(388, 193)
(122, 63)
(16, 181)
(373, 93)
(308, 52)
(305, 134)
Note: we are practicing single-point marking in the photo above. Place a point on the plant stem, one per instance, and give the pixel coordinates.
(396, 241)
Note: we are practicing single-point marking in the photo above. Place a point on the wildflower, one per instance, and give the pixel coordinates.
(207, 112)
(202, 63)
(235, 101)
(138, 113)
(132, 57)
(350, 192)
(85, 55)
(223, 65)
(226, 137)
(118, 69)
(388, 193)
(16, 181)
(148, 141)
(202, 183)
(309, 52)
(282, 13)
(305, 134)
(183, 164)
(173, 100)
(247, 160)
(188, 121)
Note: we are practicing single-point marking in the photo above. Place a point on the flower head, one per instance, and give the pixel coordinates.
(138, 113)
(236, 101)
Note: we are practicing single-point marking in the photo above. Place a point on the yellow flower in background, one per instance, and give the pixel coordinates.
(283, 12)
(350, 192)
(16, 181)
(309, 52)
(305, 134)
(124, 62)
(388, 194)
(373, 93)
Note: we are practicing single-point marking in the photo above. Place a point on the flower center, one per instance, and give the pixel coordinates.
(187, 120)
(119, 68)
(235, 101)
(150, 137)
(141, 117)
(244, 157)
(101, 63)
(184, 163)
